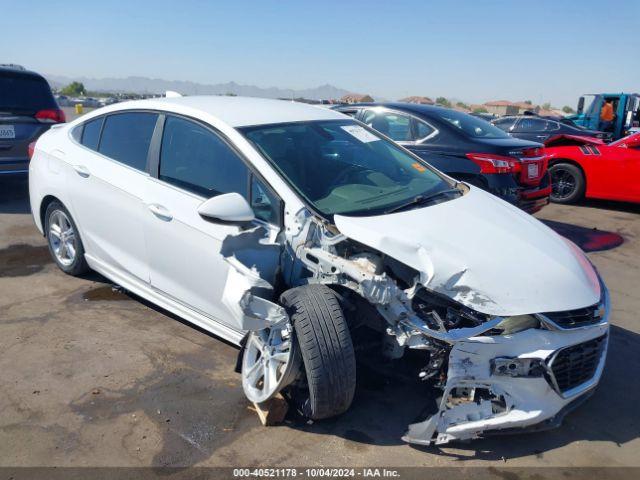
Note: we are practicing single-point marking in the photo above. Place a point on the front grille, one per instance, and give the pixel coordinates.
(580, 317)
(575, 365)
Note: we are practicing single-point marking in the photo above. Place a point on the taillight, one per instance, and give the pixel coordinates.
(31, 149)
(51, 116)
(533, 152)
(490, 163)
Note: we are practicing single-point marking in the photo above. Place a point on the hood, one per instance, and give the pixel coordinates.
(484, 253)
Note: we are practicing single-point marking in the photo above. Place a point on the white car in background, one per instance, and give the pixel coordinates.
(284, 227)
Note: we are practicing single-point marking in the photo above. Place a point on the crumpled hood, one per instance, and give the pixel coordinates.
(483, 253)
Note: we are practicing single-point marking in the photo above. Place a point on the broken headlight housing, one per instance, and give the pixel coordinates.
(515, 324)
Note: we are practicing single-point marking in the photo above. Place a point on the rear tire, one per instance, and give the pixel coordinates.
(567, 183)
(327, 351)
(63, 238)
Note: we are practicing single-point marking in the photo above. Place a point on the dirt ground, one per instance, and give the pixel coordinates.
(93, 377)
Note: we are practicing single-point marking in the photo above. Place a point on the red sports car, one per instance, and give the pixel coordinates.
(587, 167)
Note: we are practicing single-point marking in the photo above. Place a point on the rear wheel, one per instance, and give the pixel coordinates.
(567, 183)
(64, 240)
(327, 351)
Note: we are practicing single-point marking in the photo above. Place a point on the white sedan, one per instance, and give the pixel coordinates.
(285, 228)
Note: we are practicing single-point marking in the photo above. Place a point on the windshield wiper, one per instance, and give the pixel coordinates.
(423, 199)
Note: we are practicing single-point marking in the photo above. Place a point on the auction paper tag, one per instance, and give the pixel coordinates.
(360, 133)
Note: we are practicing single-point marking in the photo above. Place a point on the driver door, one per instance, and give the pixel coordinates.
(186, 252)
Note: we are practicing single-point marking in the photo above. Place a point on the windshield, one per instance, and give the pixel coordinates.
(472, 126)
(342, 167)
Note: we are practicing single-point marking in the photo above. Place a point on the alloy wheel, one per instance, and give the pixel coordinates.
(267, 362)
(563, 183)
(62, 238)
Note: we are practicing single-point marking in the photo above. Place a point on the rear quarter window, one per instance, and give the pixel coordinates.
(89, 133)
(126, 137)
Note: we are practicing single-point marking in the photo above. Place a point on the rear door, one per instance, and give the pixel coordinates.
(186, 252)
(108, 187)
(22, 96)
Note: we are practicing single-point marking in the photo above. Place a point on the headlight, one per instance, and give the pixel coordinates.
(517, 323)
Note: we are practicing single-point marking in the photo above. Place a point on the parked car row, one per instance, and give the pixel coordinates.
(505, 156)
(464, 147)
(88, 102)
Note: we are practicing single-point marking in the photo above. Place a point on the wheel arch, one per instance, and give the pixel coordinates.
(44, 203)
(555, 161)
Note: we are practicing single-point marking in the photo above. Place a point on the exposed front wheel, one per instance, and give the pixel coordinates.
(327, 352)
(567, 183)
(64, 240)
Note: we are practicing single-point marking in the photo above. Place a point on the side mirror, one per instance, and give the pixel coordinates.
(580, 105)
(230, 208)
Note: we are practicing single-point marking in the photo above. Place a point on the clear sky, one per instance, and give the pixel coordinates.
(543, 50)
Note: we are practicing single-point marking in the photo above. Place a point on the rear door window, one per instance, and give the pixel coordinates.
(422, 129)
(505, 123)
(531, 125)
(126, 137)
(552, 126)
(394, 125)
(91, 133)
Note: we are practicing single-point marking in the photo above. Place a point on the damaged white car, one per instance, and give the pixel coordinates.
(285, 227)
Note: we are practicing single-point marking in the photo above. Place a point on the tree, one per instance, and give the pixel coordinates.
(528, 102)
(480, 110)
(546, 106)
(74, 89)
(443, 101)
(462, 105)
(568, 109)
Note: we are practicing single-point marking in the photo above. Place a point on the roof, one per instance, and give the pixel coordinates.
(12, 70)
(417, 108)
(237, 111)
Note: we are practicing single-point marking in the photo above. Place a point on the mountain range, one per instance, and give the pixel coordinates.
(157, 85)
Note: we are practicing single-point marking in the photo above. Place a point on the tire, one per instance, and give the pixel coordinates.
(70, 264)
(567, 183)
(327, 351)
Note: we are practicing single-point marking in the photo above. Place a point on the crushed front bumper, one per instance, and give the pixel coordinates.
(510, 402)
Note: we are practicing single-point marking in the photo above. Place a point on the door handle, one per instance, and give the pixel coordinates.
(82, 170)
(161, 212)
(541, 136)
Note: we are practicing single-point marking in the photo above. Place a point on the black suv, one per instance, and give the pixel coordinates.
(27, 110)
(465, 147)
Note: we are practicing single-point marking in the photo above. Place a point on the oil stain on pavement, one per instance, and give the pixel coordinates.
(21, 260)
(106, 293)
